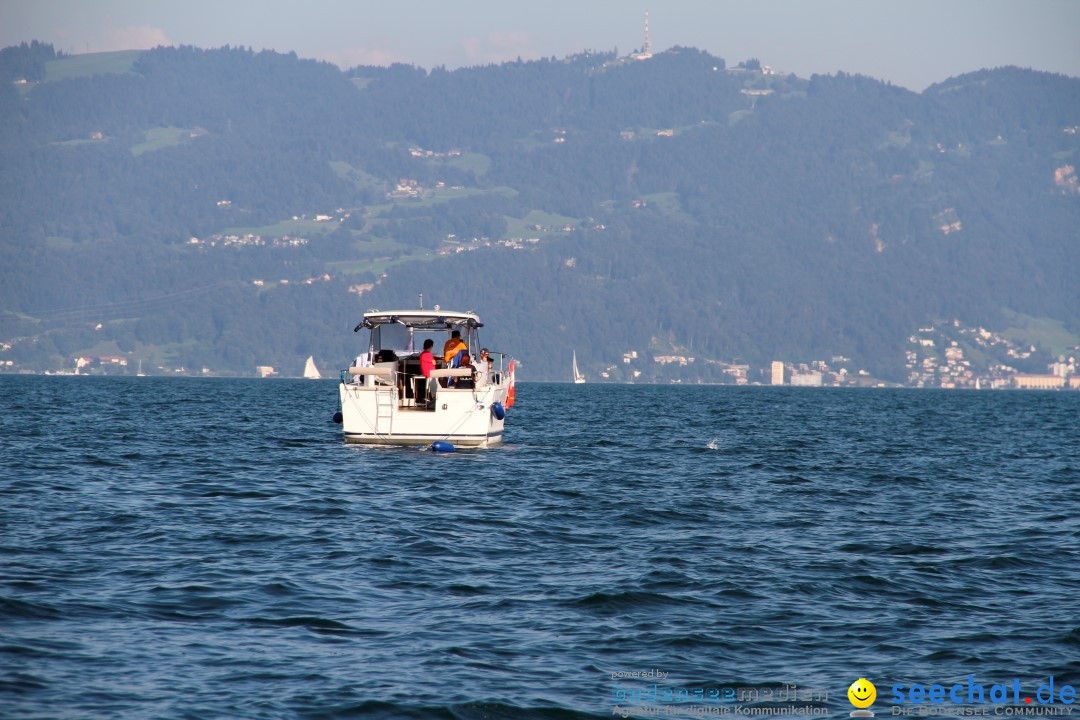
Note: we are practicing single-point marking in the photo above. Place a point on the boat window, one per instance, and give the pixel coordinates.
(438, 336)
(392, 337)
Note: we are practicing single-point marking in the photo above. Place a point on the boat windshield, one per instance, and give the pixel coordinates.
(393, 337)
(404, 340)
(438, 336)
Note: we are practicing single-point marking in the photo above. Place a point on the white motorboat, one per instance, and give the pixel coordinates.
(577, 376)
(386, 400)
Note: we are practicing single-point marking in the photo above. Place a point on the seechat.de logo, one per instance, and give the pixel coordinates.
(862, 694)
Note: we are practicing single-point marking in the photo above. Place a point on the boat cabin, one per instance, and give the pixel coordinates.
(395, 341)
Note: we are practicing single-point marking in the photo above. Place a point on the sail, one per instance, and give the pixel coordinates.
(310, 371)
(578, 378)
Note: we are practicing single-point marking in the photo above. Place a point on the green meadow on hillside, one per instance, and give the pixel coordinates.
(72, 66)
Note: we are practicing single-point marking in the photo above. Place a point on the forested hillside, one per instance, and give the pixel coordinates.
(222, 209)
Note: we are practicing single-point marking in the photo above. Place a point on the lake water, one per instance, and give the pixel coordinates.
(211, 548)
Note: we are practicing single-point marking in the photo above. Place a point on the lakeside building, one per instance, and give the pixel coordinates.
(777, 372)
(810, 379)
(1038, 382)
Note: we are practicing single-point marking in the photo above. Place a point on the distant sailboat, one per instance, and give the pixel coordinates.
(310, 371)
(578, 377)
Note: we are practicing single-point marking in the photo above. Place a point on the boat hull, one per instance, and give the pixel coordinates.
(412, 440)
(376, 415)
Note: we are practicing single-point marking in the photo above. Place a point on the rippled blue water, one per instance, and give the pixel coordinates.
(212, 549)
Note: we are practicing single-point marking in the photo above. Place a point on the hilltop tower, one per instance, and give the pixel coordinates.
(646, 49)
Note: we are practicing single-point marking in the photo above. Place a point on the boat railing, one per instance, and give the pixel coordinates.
(451, 372)
(498, 375)
(386, 374)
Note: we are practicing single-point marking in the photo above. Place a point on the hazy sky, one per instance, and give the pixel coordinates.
(912, 43)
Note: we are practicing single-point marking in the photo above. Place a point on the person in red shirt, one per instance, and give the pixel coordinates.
(427, 364)
(427, 360)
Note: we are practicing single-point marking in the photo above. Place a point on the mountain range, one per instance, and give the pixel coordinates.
(668, 218)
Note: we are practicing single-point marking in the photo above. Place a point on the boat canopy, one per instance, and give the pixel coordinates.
(428, 319)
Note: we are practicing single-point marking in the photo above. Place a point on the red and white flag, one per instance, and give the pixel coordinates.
(510, 389)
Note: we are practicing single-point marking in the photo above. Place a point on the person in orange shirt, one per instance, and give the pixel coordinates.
(453, 346)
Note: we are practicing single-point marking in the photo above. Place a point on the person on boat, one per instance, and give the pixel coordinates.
(427, 364)
(427, 360)
(361, 361)
(469, 382)
(484, 368)
(453, 346)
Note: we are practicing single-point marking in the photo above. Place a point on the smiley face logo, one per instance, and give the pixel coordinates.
(862, 693)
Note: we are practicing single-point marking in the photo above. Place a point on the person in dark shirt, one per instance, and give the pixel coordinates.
(466, 383)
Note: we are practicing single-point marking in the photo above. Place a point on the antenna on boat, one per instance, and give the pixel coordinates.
(421, 301)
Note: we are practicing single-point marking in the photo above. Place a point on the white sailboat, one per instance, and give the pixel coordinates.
(579, 379)
(310, 371)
